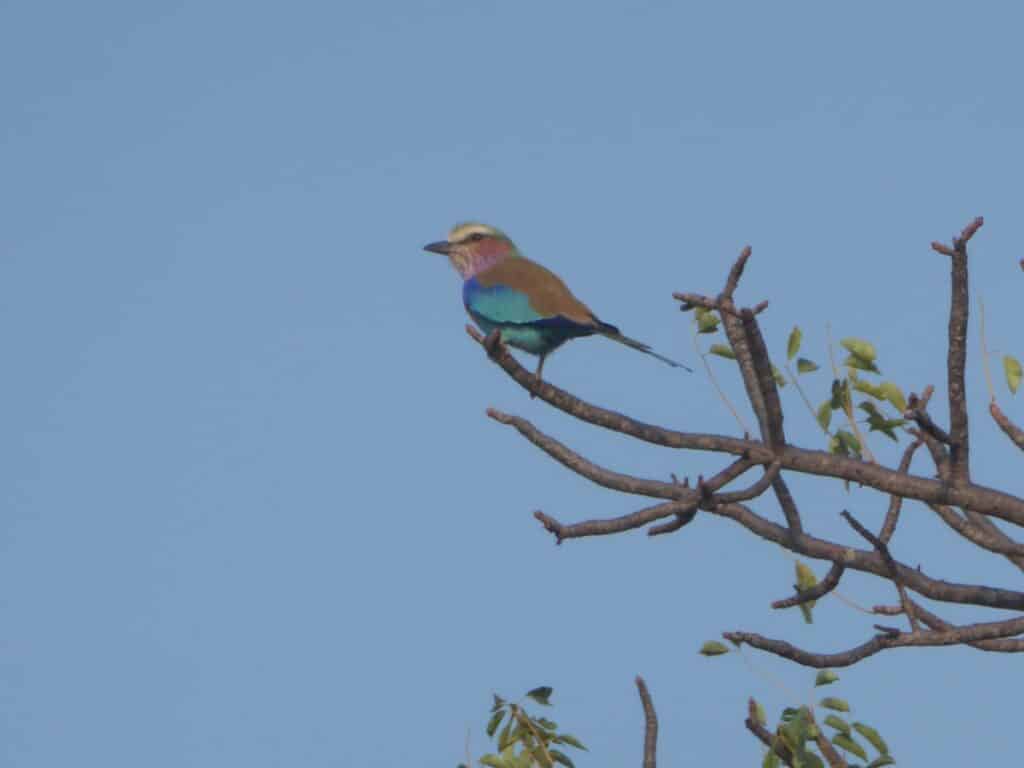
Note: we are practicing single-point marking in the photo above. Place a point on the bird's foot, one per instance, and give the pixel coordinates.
(492, 343)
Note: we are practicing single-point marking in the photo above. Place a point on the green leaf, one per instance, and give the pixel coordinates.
(872, 736)
(541, 695)
(840, 394)
(803, 365)
(865, 386)
(1013, 371)
(860, 364)
(771, 760)
(546, 724)
(505, 737)
(793, 345)
(498, 703)
(825, 414)
(706, 320)
(805, 579)
(878, 422)
(811, 760)
(572, 741)
(560, 757)
(848, 444)
(851, 746)
(759, 715)
(722, 351)
(537, 755)
(492, 760)
(865, 350)
(868, 407)
(878, 762)
(825, 677)
(894, 395)
(494, 722)
(839, 705)
(780, 380)
(713, 648)
(789, 714)
(838, 723)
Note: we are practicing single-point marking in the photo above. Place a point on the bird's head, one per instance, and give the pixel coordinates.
(473, 247)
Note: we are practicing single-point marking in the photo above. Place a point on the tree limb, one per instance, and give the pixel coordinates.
(979, 498)
(954, 636)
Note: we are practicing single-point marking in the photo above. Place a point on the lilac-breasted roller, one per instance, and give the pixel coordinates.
(529, 304)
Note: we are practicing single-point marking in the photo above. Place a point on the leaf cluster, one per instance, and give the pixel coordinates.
(525, 741)
(798, 733)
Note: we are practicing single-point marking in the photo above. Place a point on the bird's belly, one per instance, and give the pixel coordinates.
(532, 339)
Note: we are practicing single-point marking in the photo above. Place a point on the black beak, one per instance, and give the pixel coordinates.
(442, 246)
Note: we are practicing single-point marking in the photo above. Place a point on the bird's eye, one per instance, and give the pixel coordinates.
(476, 237)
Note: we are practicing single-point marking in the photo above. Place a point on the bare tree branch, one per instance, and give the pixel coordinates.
(979, 498)
(736, 272)
(619, 524)
(996, 541)
(767, 479)
(894, 571)
(789, 509)
(954, 636)
(1011, 430)
(924, 421)
(650, 725)
(582, 466)
(892, 515)
(957, 359)
(819, 590)
(872, 562)
(1002, 645)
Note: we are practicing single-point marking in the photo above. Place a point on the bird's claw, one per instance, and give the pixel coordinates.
(492, 343)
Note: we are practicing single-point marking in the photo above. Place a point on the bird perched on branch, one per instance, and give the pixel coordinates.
(528, 304)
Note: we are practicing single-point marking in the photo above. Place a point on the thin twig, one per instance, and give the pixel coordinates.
(829, 752)
(650, 724)
(1002, 645)
(894, 571)
(984, 351)
(765, 736)
(870, 561)
(803, 395)
(1011, 430)
(892, 515)
(964, 635)
(524, 720)
(617, 524)
(714, 382)
(819, 590)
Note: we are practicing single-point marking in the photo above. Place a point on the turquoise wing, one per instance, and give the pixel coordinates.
(498, 304)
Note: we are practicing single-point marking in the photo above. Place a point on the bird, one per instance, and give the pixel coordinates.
(528, 304)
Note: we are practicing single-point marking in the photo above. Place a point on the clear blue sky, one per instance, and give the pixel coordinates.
(252, 511)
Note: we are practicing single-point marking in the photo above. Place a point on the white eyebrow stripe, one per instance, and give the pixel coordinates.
(463, 231)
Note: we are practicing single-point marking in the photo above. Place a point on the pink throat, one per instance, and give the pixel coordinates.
(472, 264)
